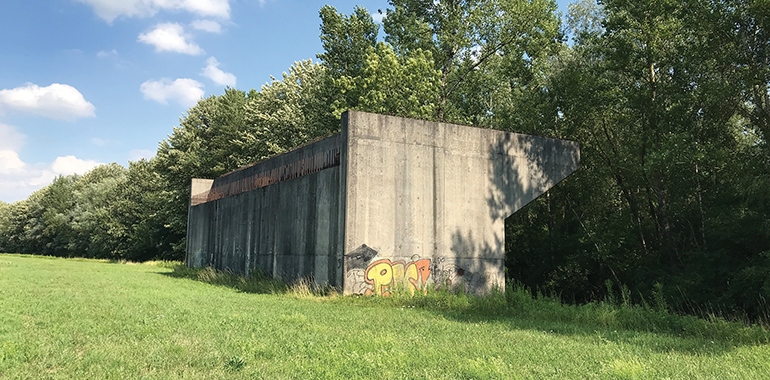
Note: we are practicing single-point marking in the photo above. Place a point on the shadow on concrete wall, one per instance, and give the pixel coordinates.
(516, 182)
(518, 174)
(476, 275)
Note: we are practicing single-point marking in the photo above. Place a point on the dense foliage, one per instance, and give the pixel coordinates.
(670, 101)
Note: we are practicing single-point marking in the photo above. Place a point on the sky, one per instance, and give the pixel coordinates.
(88, 82)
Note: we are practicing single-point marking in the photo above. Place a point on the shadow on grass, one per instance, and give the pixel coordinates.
(256, 282)
(517, 308)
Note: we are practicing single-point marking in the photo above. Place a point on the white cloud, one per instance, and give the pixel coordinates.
(170, 37)
(10, 162)
(107, 54)
(10, 139)
(57, 101)
(19, 179)
(184, 91)
(109, 10)
(11, 142)
(72, 165)
(215, 74)
(207, 26)
(377, 16)
(18, 185)
(138, 154)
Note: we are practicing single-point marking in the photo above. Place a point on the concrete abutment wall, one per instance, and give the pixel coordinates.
(427, 201)
(387, 200)
(282, 216)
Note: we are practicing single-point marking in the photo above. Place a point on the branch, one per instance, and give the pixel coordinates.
(480, 61)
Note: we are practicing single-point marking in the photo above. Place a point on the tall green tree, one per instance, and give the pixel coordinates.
(200, 147)
(404, 85)
(288, 112)
(748, 24)
(371, 76)
(666, 160)
(347, 40)
(470, 41)
(141, 212)
(95, 231)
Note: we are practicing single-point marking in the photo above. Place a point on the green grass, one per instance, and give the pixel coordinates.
(86, 319)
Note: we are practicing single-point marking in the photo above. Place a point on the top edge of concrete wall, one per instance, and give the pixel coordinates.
(300, 146)
(352, 124)
(348, 113)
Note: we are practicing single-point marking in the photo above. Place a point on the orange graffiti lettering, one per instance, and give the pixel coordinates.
(418, 271)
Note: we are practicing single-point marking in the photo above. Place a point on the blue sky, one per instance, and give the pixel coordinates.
(85, 82)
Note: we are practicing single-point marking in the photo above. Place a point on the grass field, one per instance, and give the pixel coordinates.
(85, 319)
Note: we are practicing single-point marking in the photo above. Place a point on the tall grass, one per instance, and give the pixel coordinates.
(613, 313)
(256, 282)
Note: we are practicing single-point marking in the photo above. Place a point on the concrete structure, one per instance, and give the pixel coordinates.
(386, 201)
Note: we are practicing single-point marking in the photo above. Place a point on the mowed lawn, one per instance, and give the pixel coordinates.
(85, 319)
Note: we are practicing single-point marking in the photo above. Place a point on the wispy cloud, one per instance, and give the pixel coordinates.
(184, 91)
(220, 77)
(10, 138)
(207, 26)
(19, 179)
(57, 101)
(11, 142)
(109, 10)
(10, 162)
(170, 37)
(72, 165)
(107, 54)
(138, 154)
(100, 142)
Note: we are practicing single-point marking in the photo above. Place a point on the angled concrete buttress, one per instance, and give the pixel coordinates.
(386, 201)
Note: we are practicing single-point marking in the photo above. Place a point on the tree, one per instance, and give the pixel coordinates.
(404, 85)
(288, 112)
(95, 231)
(470, 40)
(201, 147)
(141, 211)
(667, 163)
(347, 40)
(748, 25)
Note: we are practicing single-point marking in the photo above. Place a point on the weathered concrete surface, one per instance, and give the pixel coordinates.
(281, 215)
(198, 226)
(403, 202)
(435, 196)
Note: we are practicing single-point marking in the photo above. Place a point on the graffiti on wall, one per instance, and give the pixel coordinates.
(453, 275)
(382, 275)
(366, 273)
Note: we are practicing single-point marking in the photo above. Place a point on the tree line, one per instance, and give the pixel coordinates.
(670, 101)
